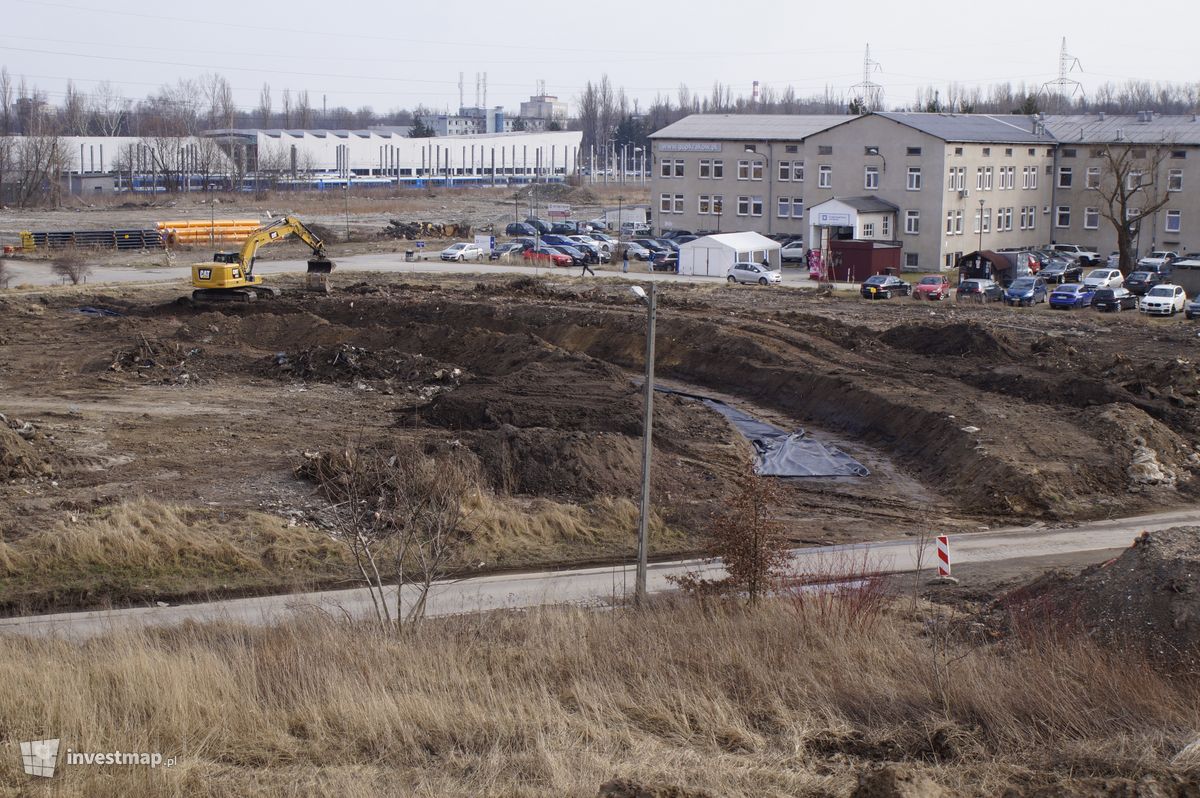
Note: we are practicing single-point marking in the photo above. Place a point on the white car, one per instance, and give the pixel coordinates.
(589, 242)
(1104, 278)
(1114, 260)
(792, 251)
(463, 251)
(1163, 300)
(1081, 254)
(746, 272)
(635, 250)
(1155, 260)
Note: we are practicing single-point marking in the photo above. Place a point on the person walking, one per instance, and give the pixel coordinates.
(586, 269)
(625, 261)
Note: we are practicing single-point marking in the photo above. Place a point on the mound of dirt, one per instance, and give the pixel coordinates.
(961, 339)
(558, 192)
(550, 462)
(344, 363)
(19, 459)
(1153, 454)
(1147, 601)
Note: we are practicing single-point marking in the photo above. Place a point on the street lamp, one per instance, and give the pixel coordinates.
(639, 589)
(981, 201)
(750, 148)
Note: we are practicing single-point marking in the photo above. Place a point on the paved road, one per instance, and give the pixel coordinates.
(38, 273)
(597, 585)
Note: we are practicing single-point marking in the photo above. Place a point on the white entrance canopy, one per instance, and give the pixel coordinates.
(714, 255)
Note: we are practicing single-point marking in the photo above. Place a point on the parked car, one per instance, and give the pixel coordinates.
(1081, 254)
(578, 256)
(540, 225)
(793, 251)
(602, 238)
(1141, 282)
(1192, 309)
(667, 262)
(1104, 278)
(635, 250)
(634, 228)
(588, 241)
(651, 244)
(676, 233)
(884, 286)
(934, 286)
(508, 248)
(462, 251)
(1114, 260)
(599, 223)
(520, 229)
(1157, 259)
(979, 290)
(547, 256)
(569, 227)
(1189, 261)
(1114, 299)
(1061, 270)
(1071, 295)
(1026, 291)
(746, 272)
(1163, 300)
(681, 240)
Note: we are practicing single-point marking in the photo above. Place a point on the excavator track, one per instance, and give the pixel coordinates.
(234, 294)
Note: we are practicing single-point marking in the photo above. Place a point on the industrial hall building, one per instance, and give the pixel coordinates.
(938, 185)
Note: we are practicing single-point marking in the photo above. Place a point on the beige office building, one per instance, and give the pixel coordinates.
(1164, 153)
(733, 172)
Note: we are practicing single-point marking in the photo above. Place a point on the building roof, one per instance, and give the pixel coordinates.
(739, 242)
(1145, 128)
(999, 128)
(866, 204)
(749, 127)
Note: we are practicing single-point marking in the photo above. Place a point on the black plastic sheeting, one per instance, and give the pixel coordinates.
(779, 453)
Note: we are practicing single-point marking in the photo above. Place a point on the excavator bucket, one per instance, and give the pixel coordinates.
(317, 278)
(320, 266)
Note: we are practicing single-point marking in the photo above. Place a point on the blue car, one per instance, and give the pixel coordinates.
(1072, 295)
(1026, 291)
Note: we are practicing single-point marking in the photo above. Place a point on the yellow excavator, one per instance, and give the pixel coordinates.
(230, 275)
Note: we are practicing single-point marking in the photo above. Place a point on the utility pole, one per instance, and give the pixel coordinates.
(639, 590)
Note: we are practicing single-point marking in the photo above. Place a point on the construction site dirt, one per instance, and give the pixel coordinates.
(966, 417)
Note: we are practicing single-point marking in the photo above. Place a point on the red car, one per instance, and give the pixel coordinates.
(547, 256)
(932, 287)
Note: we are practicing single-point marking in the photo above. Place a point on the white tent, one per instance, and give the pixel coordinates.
(713, 255)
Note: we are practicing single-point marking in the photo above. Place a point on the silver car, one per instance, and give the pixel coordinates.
(746, 272)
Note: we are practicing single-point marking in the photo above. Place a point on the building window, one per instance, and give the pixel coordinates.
(756, 170)
(871, 178)
(679, 167)
(664, 203)
(797, 208)
(797, 171)
(703, 204)
(665, 167)
(978, 220)
(886, 226)
(1092, 178)
(1178, 153)
(825, 149)
(979, 178)
(824, 176)
(868, 230)
(912, 222)
(717, 203)
(791, 148)
(1024, 217)
(987, 178)
(1064, 177)
(784, 209)
(1007, 214)
(913, 151)
(1008, 152)
(1068, 153)
(678, 203)
(949, 223)
(958, 150)
(962, 178)
(951, 182)
(718, 169)
(705, 168)
(1012, 177)
(743, 172)
(1091, 218)
(958, 223)
(987, 220)
(1175, 180)
(987, 151)
(914, 178)
(1134, 181)
(911, 261)
(756, 206)
(1174, 221)
(785, 170)
(743, 206)
(1063, 217)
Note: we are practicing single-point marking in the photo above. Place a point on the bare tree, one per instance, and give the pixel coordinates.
(303, 111)
(6, 101)
(1131, 189)
(399, 510)
(287, 108)
(108, 110)
(71, 265)
(74, 113)
(264, 106)
(39, 162)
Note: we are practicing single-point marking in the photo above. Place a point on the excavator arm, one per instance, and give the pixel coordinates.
(277, 231)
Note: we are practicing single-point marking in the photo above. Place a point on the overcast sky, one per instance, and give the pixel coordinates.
(399, 54)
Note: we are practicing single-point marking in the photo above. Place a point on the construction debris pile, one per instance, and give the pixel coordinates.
(410, 231)
(19, 455)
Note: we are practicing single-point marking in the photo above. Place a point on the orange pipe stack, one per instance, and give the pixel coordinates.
(204, 231)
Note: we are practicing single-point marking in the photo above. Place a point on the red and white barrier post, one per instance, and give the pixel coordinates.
(943, 549)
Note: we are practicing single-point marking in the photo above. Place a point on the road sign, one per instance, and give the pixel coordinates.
(558, 209)
(419, 244)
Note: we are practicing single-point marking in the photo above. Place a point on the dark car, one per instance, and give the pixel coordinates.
(1071, 295)
(539, 225)
(566, 228)
(578, 256)
(884, 286)
(1061, 270)
(520, 229)
(1114, 299)
(1026, 291)
(676, 233)
(510, 248)
(979, 290)
(668, 262)
(651, 244)
(1141, 282)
